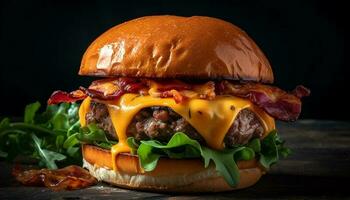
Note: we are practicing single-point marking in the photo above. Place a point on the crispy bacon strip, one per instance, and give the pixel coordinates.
(69, 178)
(114, 88)
(61, 96)
(178, 97)
(105, 89)
(168, 85)
(96, 94)
(181, 91)
(276, 102)
(301, 91)
(206, 90)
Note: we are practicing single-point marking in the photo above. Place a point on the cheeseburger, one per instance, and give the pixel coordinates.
(181, 104)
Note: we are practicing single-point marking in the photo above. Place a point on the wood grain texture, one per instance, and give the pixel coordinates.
(319, 168)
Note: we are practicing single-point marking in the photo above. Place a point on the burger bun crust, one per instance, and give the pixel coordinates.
(176, 47)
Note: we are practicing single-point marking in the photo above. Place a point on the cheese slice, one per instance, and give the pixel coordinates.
(84, 108)
(211, 118)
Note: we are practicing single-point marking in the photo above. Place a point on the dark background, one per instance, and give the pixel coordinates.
(42, 43)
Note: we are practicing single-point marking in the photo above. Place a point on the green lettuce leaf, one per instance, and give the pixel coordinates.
(271, 150)
(180, 146)
(46, 156)
(133, 145)
(30, 112)
(92, 134)
(51, 137)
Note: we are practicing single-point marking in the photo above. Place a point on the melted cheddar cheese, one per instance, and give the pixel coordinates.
(211, 118)
(84, 108)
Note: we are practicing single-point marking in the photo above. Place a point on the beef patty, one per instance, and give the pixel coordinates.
(160, 123)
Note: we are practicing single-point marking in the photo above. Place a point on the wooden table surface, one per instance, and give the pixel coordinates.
(319, 168)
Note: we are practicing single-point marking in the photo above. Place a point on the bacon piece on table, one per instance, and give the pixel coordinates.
(69, 178)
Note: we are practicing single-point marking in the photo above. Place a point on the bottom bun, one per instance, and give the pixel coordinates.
(170, 175)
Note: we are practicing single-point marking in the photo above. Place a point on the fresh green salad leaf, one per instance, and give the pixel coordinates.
(30, 112)
(180, 146)
(91, 134)
(52, 137)
(47, 156)
(271, 150)
(255, 145)
(133, 145)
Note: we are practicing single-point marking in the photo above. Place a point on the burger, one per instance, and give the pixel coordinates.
(181, 104)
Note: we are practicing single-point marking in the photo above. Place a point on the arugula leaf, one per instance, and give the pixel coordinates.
(53, 137)
(92, 134)
(282, 150)
(50, 136)
(132, 144)
(71, 141)
(147, 158)
(60, 120)
(225, 163)
(224, 160)
(271, 150)
(72, 151)
(245, 154)
(72, 113)
(105, 145)
(47, 156)
(30, 111)
(59, 141)
(255, 145)
(180, 146)
(269, 153)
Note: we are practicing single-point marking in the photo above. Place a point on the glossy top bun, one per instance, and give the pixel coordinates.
(176, 47)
